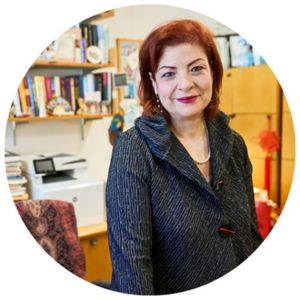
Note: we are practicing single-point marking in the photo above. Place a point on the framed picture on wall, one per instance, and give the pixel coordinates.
(128, 63)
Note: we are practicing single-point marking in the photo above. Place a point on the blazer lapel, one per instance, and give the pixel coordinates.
(165, 145)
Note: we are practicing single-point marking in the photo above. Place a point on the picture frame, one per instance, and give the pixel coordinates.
(128, 62)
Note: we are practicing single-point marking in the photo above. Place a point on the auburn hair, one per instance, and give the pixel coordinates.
(173, 33)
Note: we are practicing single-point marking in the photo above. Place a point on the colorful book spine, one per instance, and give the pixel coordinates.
(53, 87)
(90, 36)
(104, 86)
(85, 86)
(67, 89)
(76, 91)
(80, 83)
(63, 88)
(94, 35)
(106, 43)
(83, 49)
(98, 84)
(37, 81)
(19, 95)
(48, 86)
(23, 98)
(26, 93)
(35, 98)
(44, 89)
(57, 86)
(101, 39)
(16, 102)
(31, 96)
(72, 94)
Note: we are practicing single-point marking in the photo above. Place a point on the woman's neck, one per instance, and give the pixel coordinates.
(186, 129)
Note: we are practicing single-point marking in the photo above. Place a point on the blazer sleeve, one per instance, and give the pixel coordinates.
(257, 238)
(129, 218)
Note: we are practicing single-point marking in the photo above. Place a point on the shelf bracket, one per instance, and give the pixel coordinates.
(83, 122)
(14, 128)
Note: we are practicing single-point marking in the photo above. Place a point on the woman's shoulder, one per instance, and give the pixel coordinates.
(131, 142)
(223, 120)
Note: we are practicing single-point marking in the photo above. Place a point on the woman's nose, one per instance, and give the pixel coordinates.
(185, 82)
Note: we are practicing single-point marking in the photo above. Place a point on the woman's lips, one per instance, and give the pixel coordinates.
(186, 100)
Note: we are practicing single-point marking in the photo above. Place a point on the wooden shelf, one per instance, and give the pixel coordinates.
(51, 118)
(73, 65)
(46, 64)
(21, 198)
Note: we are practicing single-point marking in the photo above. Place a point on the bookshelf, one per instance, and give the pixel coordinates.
(67, 65)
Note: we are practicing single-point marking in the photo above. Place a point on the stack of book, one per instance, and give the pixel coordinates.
(14, 176)
(71, 88)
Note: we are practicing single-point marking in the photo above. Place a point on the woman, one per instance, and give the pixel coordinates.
(180, 203)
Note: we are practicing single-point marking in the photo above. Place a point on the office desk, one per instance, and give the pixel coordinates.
(94, 242)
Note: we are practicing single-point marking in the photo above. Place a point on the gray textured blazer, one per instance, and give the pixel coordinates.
(163, 217)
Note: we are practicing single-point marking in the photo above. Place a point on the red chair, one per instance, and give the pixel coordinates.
(53, 225)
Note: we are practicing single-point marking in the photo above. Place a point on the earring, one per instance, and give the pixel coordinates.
(158, 103)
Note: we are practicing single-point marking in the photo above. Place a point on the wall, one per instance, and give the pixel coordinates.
(64, 136)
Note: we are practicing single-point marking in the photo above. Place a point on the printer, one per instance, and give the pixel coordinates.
(60, 176)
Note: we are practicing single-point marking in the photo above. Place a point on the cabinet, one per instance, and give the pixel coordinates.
(287, 153)
(94, 241)
(250, 95)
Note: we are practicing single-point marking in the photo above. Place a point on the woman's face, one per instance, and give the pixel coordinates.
(183, 81)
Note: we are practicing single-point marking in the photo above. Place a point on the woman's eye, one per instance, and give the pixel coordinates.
(197, 69)
(169, 74)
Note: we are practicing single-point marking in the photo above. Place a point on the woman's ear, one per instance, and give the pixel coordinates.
(153, 83)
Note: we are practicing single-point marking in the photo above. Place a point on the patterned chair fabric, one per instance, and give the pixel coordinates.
(53, 224)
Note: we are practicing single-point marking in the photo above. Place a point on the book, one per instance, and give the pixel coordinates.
(98, 84)
(17, 181)
(31, 96)
(11, 157)
(66, 47)
(84, 30)
(83, 44)
(104, 86)
(14, 186)
(36, 103)
(17, 104)
(52, 87)
(42, 78)
(76, 91)
(19, 192)
(62, 87)
(48, 86)
(13, 164)
(67, 90)
(80, 83)
(26, 93)
(101, 43)
(23, 98)
(37, 81)
(90, 36)
(72, 94)
(106, 43)
(21, 198)
(57, 86)
(94, 35)
(12, 175)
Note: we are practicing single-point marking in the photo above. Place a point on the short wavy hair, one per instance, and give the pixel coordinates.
(173, 33)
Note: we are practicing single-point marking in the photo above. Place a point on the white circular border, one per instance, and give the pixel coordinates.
(270, 26)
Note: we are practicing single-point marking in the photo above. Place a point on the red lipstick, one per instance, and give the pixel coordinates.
(188, 99)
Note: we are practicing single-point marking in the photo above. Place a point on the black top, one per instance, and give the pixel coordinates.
(169, 230)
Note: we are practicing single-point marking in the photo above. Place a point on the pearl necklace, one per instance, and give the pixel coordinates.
(201, 162)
